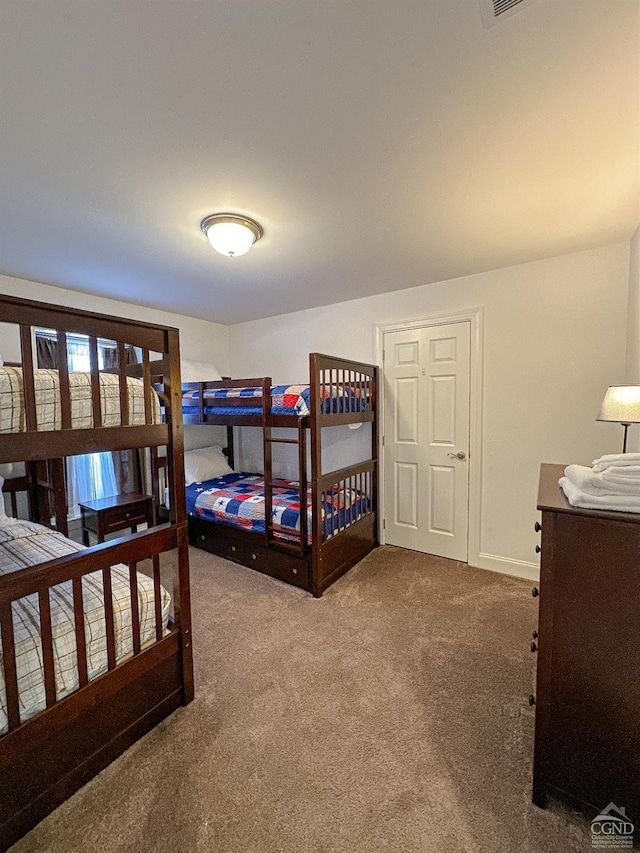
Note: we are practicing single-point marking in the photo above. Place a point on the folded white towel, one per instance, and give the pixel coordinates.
(612, 460)
(617, 503)
(594, 483)
(620, 473)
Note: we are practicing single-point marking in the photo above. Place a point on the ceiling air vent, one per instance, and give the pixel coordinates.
(494, 11)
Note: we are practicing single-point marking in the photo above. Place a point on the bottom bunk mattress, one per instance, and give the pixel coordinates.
(24, 544)
(238, 499)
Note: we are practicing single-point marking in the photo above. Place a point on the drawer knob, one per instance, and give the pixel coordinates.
(233, 547)
(537, 527)
(253, 556)
(532, 700)
(535, 592)
(534, 647)
(538, 549)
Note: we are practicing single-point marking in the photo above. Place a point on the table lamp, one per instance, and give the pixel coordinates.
(621, 405)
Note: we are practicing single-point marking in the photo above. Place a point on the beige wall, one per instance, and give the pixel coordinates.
(199, 340)
(633, 329)
(555, 338)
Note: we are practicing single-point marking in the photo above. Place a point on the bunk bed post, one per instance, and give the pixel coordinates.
(31, 476)
(178, 509)
(316, 471)
(302, 477)
(267, 457)
(56, 477)
(230, 447)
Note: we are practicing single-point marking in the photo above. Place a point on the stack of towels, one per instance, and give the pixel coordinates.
(613, 482)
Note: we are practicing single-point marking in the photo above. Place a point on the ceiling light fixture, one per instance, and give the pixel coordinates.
(230, 233)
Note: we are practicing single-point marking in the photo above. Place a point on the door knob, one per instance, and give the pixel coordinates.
(459, 455)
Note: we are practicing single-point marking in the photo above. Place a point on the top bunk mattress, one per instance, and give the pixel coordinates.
(294, 400)
(49, 407)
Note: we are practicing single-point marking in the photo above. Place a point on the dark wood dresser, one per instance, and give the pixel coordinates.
(587, 735)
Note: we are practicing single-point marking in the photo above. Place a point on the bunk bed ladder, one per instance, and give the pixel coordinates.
(299, 544)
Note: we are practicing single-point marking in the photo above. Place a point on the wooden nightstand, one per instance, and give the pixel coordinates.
(106, 515)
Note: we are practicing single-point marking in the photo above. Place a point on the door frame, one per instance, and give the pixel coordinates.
(475, 317)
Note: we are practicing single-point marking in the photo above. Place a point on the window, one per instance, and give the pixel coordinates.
(91, 475)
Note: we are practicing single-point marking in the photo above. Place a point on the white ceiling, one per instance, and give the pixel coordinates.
(382, 144)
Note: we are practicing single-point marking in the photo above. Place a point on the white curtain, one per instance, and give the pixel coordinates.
(88, 477)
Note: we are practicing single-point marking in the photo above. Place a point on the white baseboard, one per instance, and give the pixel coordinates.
(516, 568)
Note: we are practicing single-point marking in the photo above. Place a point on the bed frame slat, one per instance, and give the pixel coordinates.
(135, 614)
(9, 662)
(63, 374)
(46, 635)
(81, 642)
(146, 378)
(108, 615)
(122, 380)
(28, 382)
(155, 561)
(96, 406)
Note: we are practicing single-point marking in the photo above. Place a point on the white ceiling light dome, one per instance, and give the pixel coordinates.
(231, 234)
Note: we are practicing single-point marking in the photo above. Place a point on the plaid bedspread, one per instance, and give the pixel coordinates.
(285, 400)
(48, 407)
(25, 544)
(238, 499)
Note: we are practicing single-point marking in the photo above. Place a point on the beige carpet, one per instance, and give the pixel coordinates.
(391, 715)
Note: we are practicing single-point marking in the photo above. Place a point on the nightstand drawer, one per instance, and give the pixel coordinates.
(122, 517)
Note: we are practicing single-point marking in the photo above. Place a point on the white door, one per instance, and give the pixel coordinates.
(426, 439)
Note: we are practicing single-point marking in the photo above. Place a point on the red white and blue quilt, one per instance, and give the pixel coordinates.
(238, 499)
(285, 400)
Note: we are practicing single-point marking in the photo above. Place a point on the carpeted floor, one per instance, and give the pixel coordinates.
(391, 715)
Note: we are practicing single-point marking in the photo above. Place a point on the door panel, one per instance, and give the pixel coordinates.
(442, 502)
(406, 411)
(443, 408)
(406, 490)
(426, 424)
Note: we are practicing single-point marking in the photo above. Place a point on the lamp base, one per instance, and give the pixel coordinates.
(624, 440)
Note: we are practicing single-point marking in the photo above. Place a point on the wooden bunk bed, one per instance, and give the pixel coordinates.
(321, 549)
(93, 699)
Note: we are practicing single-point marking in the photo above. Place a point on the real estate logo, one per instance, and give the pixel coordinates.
(612, 828)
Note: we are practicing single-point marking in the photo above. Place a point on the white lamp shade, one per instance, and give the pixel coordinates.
(231, 234)
(621, 404)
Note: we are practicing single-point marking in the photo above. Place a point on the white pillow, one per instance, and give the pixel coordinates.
(199, 371)
(205, 464)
